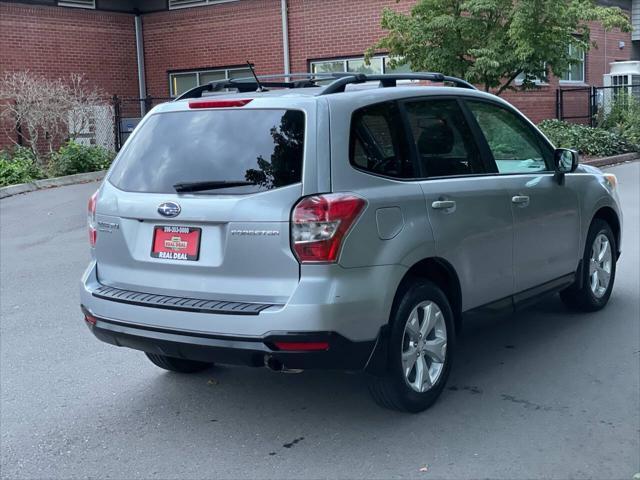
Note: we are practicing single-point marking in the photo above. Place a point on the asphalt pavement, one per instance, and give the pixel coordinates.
(543, 393)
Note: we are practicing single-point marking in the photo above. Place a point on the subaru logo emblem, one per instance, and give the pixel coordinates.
(169, 209)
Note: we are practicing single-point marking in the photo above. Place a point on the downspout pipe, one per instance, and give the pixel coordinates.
(285, 35)
(142, 85)
(635, 36)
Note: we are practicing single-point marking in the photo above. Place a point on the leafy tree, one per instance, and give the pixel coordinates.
(491, 42)
(48, 111)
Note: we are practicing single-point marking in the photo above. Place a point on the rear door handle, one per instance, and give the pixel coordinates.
(443, 204)
(522, 200)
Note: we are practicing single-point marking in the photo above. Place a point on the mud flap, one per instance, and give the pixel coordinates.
(378, 363)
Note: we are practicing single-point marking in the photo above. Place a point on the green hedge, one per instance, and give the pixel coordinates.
(596, 142)
(624, 118)
(74, 158)
(18, 165)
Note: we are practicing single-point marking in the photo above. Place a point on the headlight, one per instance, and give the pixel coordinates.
(612, 180)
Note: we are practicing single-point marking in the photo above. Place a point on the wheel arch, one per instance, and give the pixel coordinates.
(610, 216)
(440, 272)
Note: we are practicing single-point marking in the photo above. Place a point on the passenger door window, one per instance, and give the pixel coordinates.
(443, 140)
(516, 148)
(377, 143)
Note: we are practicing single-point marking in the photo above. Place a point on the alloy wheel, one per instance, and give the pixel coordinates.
(424, 346)
(600, 265)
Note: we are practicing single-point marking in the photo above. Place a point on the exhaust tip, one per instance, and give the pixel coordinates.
(273, 364)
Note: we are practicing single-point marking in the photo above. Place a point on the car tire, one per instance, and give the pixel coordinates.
(589, 293)
(425, 306)
(179, 365)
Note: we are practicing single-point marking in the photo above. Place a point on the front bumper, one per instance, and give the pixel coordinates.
(340, 354)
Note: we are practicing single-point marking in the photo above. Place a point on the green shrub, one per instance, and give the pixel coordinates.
(18, 166)
(596, 142)
(75, 158)
(624, 118)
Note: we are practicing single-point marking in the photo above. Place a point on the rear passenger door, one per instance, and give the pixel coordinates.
(546, 218)
(470, 216)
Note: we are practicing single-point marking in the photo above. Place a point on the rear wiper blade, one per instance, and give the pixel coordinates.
(209, 185)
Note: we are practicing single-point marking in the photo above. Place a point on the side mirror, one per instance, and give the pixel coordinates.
(565, 161)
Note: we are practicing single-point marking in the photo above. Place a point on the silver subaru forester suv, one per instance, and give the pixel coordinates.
(339, 222)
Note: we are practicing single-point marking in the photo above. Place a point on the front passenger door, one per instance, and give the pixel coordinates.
(546, 219)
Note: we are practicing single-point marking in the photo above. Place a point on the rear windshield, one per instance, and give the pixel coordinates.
(261, 147)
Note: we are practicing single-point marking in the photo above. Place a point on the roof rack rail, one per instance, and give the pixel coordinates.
(391, 80)
(307, 80)
(249, 84)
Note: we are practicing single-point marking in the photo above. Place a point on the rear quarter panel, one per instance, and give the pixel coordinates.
(373, 241)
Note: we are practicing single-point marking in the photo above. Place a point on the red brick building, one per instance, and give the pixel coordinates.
(161, 47)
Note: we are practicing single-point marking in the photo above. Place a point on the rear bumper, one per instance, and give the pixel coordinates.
(340, 354)
(352, 302)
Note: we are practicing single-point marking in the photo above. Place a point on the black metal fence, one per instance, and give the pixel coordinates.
(576, 105)
(589, 105)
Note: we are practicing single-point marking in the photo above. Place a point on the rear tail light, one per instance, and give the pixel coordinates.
(320, 223)
(91, 219)
(219, 103)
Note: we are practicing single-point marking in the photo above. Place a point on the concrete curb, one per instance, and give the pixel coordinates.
(616, 159)
(51, 182)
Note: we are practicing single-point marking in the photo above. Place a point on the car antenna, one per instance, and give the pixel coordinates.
(253, 72)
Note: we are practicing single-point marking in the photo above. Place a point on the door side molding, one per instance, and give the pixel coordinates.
(532, 295)
(526, 297)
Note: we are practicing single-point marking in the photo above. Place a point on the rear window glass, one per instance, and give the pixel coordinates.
(261, 147)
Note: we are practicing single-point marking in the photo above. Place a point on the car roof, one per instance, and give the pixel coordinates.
(362, 93)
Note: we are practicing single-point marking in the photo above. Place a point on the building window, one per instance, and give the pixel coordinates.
(540, 79)
(622, 88)
(377, 65)
(174, 4)
(78, 3)
(183, 81)
(576, 71)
